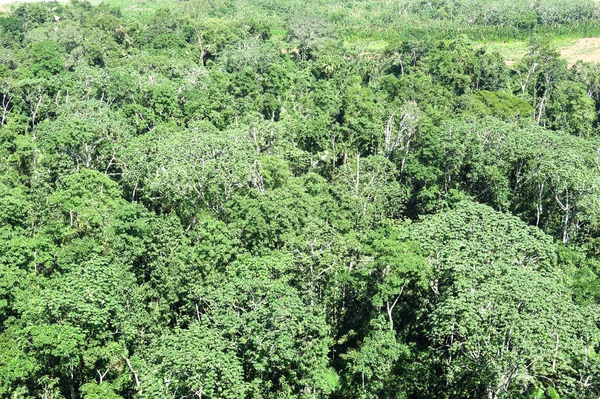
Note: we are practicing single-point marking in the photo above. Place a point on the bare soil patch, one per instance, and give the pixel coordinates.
(587, 49)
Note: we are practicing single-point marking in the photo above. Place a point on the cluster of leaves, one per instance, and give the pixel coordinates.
(230, 202)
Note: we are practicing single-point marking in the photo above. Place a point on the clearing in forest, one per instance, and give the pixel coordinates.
(587, 49)
(572, 50)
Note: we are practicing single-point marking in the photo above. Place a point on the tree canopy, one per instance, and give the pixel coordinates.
(280, 199)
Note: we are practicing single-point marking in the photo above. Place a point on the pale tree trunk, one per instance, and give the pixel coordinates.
(357, 183)
(35, 111)
(72, 383)
(539, 205)
(404, 135)
(138, 384)
(101, 375)
(566, 207)
(542, 106)
(6, 107)
(390, 307)
(524, 79)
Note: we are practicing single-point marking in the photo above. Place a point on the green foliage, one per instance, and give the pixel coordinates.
(488, 277)
(573, 110)
(501, 105)
(83, 135)
(12, 31)
(517, 168)
(193, 362)
(46, 59)
(281, 199)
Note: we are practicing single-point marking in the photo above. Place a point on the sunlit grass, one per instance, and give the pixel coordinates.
(510, 51)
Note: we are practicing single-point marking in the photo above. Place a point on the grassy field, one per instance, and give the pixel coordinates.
(510, 51)
(584, 49)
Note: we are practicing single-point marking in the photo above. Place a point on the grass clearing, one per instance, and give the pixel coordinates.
(584, 49)
(510, 51)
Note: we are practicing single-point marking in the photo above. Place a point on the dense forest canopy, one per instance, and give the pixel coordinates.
(275, 199)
